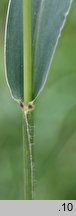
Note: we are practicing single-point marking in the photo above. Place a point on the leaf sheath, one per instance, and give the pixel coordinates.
(28, 151)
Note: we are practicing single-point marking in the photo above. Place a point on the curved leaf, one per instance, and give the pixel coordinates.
(47, 21)
(50, 20)
(14, 48)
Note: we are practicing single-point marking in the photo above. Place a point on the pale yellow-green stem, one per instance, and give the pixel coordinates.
(27, 51)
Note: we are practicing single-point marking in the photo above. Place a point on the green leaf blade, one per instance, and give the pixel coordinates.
(50, 19)
(47, 19)
(14, 49)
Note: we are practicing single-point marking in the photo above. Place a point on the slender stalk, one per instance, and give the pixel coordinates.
(27, 51)
(28, 134)
(28, 130)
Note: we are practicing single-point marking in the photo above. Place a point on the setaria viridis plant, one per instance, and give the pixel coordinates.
(32, 30)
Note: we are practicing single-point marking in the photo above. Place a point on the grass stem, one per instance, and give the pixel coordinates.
(27, 54)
